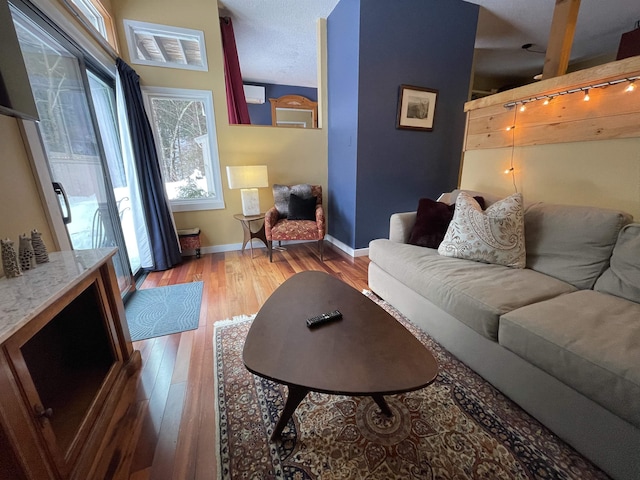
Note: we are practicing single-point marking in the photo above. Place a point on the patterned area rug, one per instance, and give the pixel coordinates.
(459, 427)
(153, 312)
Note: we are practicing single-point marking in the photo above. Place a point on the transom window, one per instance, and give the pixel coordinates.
(165, 46)
(184, 131)
(94, 13)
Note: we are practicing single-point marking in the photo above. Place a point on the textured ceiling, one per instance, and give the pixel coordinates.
(276, 39)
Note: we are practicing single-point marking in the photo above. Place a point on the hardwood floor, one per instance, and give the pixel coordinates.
(169, 431)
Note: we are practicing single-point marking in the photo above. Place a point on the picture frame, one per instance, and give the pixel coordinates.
(416, 108)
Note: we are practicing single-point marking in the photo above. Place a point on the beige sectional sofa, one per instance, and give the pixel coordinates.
(561, 337)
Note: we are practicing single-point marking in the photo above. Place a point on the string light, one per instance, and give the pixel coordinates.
(547, 98)
(511, 170)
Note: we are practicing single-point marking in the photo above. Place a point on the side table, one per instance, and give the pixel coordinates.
(249, 235)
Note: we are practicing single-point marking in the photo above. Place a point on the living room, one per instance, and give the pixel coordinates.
(601, 173)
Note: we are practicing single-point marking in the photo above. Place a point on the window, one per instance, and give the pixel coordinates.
(184, 130)
(94, 13)
(165, 46)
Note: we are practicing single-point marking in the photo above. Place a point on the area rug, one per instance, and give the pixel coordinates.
(459, 427)
(153, 312)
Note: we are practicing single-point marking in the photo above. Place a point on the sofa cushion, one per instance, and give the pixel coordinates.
(622, 278)
(588, 340)
(432, 221)
(493, 236)
(571, 243)
(475, 293)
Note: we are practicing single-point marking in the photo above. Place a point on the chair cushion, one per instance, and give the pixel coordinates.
(622, 278)
(295, 230)
(571, 243)
(493, 236)
(281, 195)
(301, 208)
(588, 340)
(432, 221)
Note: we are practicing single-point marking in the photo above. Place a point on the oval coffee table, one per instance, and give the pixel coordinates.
(366, 353)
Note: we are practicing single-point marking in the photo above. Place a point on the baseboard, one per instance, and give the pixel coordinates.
(359, 252)
(230, 247)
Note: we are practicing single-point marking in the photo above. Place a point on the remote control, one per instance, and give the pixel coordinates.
(324, 318)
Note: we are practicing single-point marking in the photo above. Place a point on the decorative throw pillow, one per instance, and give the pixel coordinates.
(301, 208)
(493, 236)
(281, 196)
(432, 221)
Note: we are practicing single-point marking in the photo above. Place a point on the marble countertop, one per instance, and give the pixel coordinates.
(23, 298)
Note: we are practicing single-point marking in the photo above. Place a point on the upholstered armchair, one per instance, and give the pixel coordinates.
(296, 215)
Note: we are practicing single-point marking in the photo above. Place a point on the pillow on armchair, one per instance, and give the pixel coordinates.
(301, 208)
(281, 194)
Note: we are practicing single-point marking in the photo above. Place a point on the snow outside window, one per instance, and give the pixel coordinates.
(184, 131)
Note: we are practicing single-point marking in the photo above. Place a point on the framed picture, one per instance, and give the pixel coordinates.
(416, 107)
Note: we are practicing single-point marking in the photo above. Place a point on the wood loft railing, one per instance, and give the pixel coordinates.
(611, 112)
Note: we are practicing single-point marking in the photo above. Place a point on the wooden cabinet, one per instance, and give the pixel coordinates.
(65, 359)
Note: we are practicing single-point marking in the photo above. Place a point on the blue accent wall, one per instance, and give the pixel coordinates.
(261, 114)
(426, 43)
(343, 37)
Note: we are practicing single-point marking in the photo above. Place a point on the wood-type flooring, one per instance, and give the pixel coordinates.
(168, 431)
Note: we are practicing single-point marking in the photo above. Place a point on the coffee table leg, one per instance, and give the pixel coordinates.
(296, 395)
(384, 408)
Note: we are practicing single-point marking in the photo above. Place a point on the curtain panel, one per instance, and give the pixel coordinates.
(236, 101)
(163, 238)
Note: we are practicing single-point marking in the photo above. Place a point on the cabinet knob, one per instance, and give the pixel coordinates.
(43, 412)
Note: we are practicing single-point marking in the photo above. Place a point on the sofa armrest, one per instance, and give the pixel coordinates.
(400, 226)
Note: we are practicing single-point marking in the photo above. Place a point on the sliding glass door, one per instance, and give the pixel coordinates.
(124, 190)
(78, 159)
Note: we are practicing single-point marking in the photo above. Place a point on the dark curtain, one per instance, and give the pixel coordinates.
(165, 249)
(236, 101)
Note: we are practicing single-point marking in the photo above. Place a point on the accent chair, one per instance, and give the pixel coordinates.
(296, 215)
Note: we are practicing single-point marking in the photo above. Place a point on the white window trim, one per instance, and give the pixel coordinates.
(130, 27)
(205, 96)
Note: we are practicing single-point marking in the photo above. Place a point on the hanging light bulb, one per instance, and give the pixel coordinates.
(508, 171)
(586, 95)
(510, 127)
(631, 87)
(523, 107)
(546, 101)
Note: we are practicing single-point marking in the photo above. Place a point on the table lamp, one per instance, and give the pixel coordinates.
(248, 179)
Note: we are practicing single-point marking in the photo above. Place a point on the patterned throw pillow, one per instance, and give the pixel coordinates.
(493, 236)
(432, 221)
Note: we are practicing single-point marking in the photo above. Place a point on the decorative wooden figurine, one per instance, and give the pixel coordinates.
(39, 248)
(25, 253)
(10, 262)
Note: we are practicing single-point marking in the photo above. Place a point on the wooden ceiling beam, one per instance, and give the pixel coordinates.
(563, 26)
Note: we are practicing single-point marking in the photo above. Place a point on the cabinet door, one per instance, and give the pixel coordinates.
(65, 361)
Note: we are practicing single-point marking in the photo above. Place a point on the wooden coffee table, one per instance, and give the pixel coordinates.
(366, 353)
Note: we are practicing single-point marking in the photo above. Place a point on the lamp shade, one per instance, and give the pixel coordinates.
(250, 176)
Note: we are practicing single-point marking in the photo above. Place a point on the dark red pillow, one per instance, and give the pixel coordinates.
(432, 221)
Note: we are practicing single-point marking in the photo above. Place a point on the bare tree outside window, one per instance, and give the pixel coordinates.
(183, 129)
